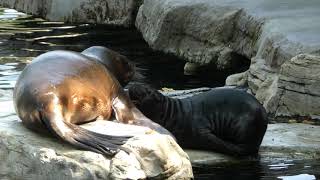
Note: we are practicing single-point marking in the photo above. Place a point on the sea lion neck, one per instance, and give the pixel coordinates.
(175, 109)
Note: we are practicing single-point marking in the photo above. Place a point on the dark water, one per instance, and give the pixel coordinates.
(288, 170)
(23, 37)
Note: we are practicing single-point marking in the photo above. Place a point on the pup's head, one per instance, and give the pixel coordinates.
(148, 100)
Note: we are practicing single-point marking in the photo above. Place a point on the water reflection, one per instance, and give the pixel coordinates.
(6, 14)
(279, 166)
(10, 69)
(298, 177)
(288, 170)
(9, 73)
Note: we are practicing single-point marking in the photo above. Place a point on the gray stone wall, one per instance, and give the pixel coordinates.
(79, 11)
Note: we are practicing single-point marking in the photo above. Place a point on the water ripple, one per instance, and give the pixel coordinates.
(9, 73)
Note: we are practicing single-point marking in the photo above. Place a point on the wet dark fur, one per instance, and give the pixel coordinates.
(225, 120)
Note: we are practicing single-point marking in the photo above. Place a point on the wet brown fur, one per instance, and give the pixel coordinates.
(61, 89)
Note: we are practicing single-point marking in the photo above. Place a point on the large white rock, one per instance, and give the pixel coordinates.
(203, 30)
(27, 155)
(87, 11)
(199, 31)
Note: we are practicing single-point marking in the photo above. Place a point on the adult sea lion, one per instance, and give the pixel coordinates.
(120, 66)
(61, 89)
(225, 120)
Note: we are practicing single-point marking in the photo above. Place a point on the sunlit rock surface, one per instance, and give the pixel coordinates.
(269, 32)
(88, 11)
(24, 154)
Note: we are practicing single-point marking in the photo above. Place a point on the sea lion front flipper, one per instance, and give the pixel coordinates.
(82, 138)
(127, 113)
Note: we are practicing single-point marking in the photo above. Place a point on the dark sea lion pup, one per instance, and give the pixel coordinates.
(61, 89)
(225, 120)
(119, 65)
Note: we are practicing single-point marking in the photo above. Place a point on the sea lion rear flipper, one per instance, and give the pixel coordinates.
(82, 138)
(215, 143)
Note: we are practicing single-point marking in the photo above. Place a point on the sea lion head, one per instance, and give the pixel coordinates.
(149, 101)
(123, 69)
(120, 66)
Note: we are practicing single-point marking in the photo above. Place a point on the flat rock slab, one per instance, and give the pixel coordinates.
(282, 141)
(293, 141)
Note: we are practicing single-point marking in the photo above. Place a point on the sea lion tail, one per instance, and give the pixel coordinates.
(100, 143)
